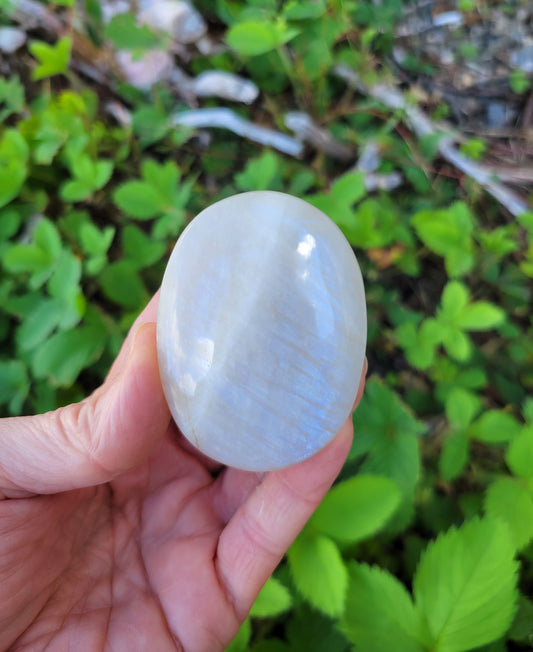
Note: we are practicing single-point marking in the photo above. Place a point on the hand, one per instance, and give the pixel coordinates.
(116, 534)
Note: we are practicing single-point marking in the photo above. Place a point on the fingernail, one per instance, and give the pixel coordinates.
(137, 337)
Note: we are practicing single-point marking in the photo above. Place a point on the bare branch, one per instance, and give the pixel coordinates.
(224, 118)
(421, 125)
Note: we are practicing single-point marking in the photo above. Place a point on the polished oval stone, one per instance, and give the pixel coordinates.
(261, 330)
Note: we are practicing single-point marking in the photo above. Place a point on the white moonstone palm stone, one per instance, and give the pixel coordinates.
(261, 330)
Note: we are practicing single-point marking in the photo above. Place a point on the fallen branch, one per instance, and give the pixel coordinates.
(215, 83)
(223, 118)
(308, 132)
(421, 125)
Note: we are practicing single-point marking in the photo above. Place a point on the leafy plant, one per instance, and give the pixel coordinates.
(53, 59)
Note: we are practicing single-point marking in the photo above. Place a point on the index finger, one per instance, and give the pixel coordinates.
(265, 525)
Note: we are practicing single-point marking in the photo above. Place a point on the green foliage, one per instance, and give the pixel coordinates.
(319, 572)
(519, 455)
(380, 614)
(387, 442)
(448, 233)
(519, 82)
(474, 148)
(89, 176)
(250, 38)
(512, 501)
(262, 173)
(123, 31)
(357, 508)
(414, 547)
(158, 194)
(455, 317)
(465, 586)
(273, 599)
(13, 165)
(53, 59)
(11, 97)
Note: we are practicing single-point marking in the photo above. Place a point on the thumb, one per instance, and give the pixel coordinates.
(90, 442)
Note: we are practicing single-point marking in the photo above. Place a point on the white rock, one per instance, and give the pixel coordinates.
(177, 17)
(143, 72)
(11, 39)
(219, 83)
(261, 330)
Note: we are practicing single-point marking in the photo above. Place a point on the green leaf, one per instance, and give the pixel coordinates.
(74, 191)
(465, 585)
(163, 177)
(14, 384)
(303, 9)
(40, 322)
(474, 148)
(26, 258)
(448, 233)
(104, 170)
(454, 456)
(273, 599)
(261, 173)
(140, 249)
(519, 82)
(461, 407)
(9, 223)
(338, 205)
(519, 456)
(63, 356)
(309, 631)
(83, 168)
(510, 501)
(480, 316)
(270, 645)
(454, 298)
(53, 59)
(319, 572)
(457, 344)
(419, 344)
(64, 282)
(138, 199)
(356, 508)
(494, 427)
(251, 38)
(522, 627)
(380, 615)
(349, 188)
(151, 124)
(95, 242)
(13, 165)
(125, 34)
(527, 410)
(121, 283)
(382, 416)
(158, 193)
(46, 237)
(387, 437)
(11, 97)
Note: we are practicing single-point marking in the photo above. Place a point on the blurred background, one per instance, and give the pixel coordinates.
(411, 125)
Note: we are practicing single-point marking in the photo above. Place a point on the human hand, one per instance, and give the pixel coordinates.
(115, 533)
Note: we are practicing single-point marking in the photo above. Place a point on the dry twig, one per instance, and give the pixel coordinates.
(224, 118)
(421, 125)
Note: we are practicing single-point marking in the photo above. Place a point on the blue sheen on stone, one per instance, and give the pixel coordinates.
(261, 330)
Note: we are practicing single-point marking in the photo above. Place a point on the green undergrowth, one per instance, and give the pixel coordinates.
(425, 542)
